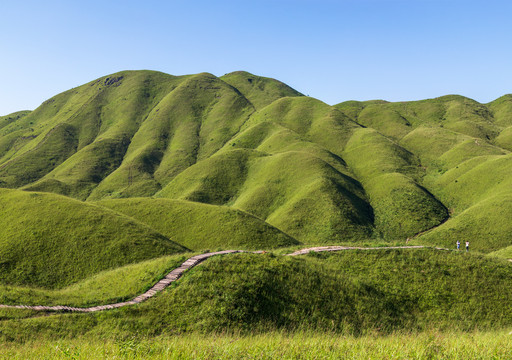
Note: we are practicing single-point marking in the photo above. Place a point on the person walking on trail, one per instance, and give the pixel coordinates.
(458, 245)
(467, 245)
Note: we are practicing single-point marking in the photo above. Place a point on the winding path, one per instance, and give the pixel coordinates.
(188, 264)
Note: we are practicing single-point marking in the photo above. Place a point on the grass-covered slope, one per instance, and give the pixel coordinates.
(401, 206)
(452, 112)
(201, 226)
(479, 194)
(159, 164)
(504, 139)
(501, 110)
(351, 292)
(106, 287)
(460, 149)
(125, 134)
(486, 226)
(390, 176)
(475, 180)
(94, 122)
(8, 119)
(190, 123)
(295, 191)
(310, 118)
(15, 139)
(51, 241)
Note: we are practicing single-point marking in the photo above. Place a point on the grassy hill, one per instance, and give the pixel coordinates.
(315, 206)
(350, 293)
(259, 90)
(322, 174)
(461, 149)
(201, 226)
(105, 287)
(138, 165)
(52, 241)
(106, 187)
(129, 132)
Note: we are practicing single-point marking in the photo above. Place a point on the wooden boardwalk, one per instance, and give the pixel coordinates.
(188, 264)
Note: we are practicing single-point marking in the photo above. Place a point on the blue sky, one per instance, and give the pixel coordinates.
(333, 50)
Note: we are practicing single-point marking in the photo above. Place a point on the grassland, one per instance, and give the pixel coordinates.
(275, 345)
(107, 186)
(350, 293)
(105, 287)
(52, 241)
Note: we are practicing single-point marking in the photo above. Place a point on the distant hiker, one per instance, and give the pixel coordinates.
(467, 245)
(458, 245)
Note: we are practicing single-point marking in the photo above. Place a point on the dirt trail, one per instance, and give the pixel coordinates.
(188, 264)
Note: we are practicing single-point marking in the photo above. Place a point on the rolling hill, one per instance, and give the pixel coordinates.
(462, 148)
(108, 186)
(51, 241)
(200, 226)
(204, 162)
(353, 292)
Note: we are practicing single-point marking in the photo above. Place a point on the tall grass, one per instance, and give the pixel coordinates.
(273, 345)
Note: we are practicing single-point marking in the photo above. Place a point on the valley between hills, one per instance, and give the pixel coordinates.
(107, 187)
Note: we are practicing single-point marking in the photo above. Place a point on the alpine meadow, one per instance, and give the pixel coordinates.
(140, 178)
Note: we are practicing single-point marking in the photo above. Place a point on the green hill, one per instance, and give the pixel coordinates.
(126, 134)
(356, 171)
(51, 241)
(485, 225)
(105, 287)
(294, 191)
(200, 226)
(461, 149)
(106, 187)
(259, 90)
(350, 293)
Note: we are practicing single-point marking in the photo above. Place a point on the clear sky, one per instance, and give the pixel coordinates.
(333, 50)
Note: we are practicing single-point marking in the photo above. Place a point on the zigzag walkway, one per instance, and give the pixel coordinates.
(188, 264)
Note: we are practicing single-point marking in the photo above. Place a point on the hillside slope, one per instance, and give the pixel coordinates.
(200, 226)
(51, 241)
(463, 150)
(123, 135)
(352, 292)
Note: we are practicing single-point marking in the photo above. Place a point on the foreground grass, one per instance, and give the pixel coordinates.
(273, 345)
